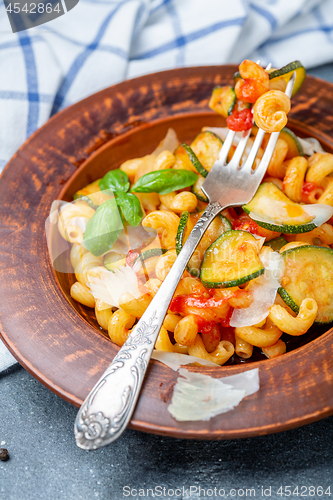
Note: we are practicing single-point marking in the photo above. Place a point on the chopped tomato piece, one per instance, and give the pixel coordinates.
(240, 120)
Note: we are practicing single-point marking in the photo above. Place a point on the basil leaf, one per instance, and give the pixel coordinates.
(115, 181)
(103, 228)
(131, 208)
(164, 181)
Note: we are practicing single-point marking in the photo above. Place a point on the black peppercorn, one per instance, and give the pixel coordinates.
(4, 455)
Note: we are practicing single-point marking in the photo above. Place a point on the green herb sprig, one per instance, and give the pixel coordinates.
(105, 225)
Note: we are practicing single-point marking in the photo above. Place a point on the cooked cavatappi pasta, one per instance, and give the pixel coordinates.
(260, 274)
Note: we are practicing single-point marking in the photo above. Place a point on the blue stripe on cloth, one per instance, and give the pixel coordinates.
(103, 47)
(16, 43)
(191, 37)
(266, 14)
(24, 96)
(159, 6)
(172, 11)
(79, 62)
(32, 82)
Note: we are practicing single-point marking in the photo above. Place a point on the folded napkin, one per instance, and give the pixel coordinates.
(102, 42)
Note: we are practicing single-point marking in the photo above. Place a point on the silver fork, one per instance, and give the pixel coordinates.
(108, 408)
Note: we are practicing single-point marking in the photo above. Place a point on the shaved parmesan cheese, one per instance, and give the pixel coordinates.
(201, 397)
(135, 237)
(54, 211)
(311, 145)
(263, 291)
(169, 143)
(111, 285)
(320, 212)
(261, 240)
(175, 360)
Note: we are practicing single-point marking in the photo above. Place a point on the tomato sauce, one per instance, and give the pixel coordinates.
(307, 189)
(245, 223)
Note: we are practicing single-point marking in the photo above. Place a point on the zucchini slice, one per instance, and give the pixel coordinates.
(183, 159)
(231, 260)
(219, 225)
(277, 243)
(286, 72)
(223, 100)
(206, 146)
(196, 189)
(152, 252)
(294, 146)
(308, 273)
(180, 231)
(273, 210)
(92, 195)
(193, 160)
(237, 77)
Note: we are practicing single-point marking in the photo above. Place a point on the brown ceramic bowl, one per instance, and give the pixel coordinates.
(59, 341)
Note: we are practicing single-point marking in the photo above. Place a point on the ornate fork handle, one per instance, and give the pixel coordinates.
(108, 408)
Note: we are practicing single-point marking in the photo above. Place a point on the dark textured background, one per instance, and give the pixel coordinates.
(37, 429)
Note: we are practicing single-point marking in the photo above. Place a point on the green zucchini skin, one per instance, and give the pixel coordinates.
(233, 241)
(152, 252)
(285, 229)
(237, 77)
(309, 269)
(80, 197)
(180, 231)
(207, 146)
(271, 191)
(288, 300)
(196, 189)
(277, 243)
(223, 100)
(294, 146)
(195, 160)
(289, 68)
(229, 284)
(193, 269)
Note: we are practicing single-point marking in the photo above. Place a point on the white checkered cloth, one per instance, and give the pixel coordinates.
(102, 42)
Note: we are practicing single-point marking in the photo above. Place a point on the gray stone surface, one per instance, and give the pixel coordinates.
(37, 429)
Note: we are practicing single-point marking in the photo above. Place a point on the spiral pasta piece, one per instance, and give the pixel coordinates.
(119, 325)
(70, 219)
(166, 223)
(270, 111)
